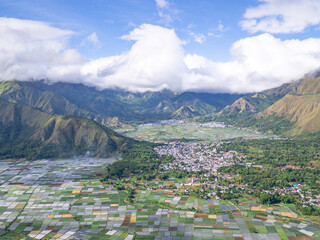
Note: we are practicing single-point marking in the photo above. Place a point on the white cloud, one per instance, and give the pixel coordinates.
(165, 12)
(199, 38)
(156, 60)
(93, 38)
(165, 17)
(218, 31)
(32, 49)
(282, 16)
(191, 25)
(258, 63)
(162, 3)
(220, 27)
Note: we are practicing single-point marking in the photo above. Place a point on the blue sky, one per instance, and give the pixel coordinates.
(206, 28)
(111, 19)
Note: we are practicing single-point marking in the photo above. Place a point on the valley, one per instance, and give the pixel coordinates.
(188, 131)
(160, 120)
(158, 165)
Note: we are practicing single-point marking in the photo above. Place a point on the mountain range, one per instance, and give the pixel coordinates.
(38, 119)
(297, 102)
(112, 107)
(49, 120)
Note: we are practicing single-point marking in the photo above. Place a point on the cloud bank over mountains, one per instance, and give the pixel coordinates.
(156, 60)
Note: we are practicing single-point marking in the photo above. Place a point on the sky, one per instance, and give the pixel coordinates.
(138, 45)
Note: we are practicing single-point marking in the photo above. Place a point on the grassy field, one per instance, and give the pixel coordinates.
(187, 132)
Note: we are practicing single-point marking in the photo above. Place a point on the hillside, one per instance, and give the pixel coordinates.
(239, 106)
(301, 105)
(64, 99)
(250, 104)
(27, 132)
(291, 109)
(303, 110)
(258, 102)
(307, 85)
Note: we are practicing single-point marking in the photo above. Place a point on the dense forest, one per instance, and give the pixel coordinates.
(266, 178)
(140, 160)
(278, 153)
(278, 163)
(271, 124)
(15, 143)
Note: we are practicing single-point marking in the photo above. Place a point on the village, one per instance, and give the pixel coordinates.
(207, 158)
(195, 157)
(179, 122)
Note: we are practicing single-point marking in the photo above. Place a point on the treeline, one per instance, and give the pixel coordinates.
(271, 124)
(267, 198)
(283, 162)
(16, 143)
(308, 210)
(278, 153)
(266, 178)
(140, 160)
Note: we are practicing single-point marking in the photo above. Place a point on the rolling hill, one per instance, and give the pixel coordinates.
(242, 105)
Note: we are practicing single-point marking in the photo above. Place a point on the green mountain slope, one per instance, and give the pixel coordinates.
(301, 106)
(303, 110)
(64, 99)
(239, 106)
(250, 104)
(27, 132)
(217, 100)
(47, 101)
(306, 85)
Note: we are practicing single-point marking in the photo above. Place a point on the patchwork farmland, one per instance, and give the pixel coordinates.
(60, 199)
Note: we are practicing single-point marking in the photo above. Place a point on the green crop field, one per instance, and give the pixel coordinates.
(186, 132)
(51, 200)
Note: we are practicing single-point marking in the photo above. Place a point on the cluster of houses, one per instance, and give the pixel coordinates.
(195, 157)
(170, 122)
(177, 122)
(213, 125)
